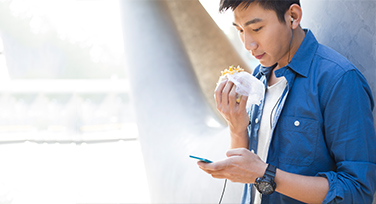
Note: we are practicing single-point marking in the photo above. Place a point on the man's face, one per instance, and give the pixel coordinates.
(262, 34)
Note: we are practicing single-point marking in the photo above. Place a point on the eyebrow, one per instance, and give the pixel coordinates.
(253, 21)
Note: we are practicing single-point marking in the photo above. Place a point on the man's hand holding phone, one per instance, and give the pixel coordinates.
(241, 165)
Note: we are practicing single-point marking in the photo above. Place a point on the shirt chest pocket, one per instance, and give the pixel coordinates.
(297, 138)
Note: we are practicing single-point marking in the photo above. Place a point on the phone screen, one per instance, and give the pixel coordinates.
(201, 159)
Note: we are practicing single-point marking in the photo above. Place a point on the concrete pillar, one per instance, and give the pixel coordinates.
(208, 48)
(174, 117)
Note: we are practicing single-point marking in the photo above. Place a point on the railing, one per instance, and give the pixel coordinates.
(65, 111)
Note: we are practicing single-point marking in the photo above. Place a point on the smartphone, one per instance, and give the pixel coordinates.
(201, 159)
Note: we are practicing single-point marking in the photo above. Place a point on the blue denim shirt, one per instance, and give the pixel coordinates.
(323, 125)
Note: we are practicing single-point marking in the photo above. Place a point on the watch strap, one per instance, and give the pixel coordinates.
(267, 180)
(270, 172)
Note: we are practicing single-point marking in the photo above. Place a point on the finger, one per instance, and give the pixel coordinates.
(218, 175)
(206, 170)
(212, 167)
(204, 165)
(232, 96)
(226, 92)
(243, 102)
(221, 80)
(215, 174)
(218, 92)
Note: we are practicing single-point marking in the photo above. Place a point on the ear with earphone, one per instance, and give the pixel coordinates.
(292, 36)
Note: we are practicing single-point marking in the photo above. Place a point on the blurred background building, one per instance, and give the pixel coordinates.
(67, 129)
(68, 132)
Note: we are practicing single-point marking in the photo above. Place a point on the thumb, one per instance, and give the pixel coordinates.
(237, 152)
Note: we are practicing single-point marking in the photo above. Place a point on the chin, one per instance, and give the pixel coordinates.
(265, 64)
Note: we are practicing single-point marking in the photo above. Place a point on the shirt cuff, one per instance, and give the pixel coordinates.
(334, 195)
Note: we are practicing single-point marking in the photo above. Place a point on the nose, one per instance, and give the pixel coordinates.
(249, 43)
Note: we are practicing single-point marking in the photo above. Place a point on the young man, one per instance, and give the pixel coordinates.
(312, 138)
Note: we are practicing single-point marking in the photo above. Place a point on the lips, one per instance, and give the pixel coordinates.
(259, 56)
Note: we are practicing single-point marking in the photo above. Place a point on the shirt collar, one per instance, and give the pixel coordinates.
(302, 58)
(266, 70)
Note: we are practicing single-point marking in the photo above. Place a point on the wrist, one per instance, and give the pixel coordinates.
(266, 184)
(238, 127)
(238, 133)
(262, 169)
(239, 140)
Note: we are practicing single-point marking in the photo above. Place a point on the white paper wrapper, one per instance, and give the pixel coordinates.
(247, 85)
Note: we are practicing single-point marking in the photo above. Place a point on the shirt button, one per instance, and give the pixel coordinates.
(296, 123)
(257, 120)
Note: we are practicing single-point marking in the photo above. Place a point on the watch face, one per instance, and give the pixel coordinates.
(265, 188)
(266, 185)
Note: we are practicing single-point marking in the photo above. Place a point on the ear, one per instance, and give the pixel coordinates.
(294, 15)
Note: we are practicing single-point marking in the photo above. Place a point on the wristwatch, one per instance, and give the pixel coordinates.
(266, 185)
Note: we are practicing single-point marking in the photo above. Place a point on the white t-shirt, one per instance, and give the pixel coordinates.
(272, 97)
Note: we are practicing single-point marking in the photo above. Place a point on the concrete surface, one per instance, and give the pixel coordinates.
(173, 115)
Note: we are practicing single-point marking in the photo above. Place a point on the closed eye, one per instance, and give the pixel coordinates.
(258, 29)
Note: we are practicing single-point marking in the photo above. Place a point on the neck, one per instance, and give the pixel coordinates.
(298, 37)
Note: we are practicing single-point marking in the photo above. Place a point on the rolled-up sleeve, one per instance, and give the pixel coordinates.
(350, 137)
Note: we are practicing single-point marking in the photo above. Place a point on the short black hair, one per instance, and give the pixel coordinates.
(279, 6)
